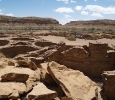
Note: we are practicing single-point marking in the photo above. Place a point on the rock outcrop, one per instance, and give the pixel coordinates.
(92, 23)
(27, 20)
(75, 84)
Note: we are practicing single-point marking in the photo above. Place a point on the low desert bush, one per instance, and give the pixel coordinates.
(71, 38)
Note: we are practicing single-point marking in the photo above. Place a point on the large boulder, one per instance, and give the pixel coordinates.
(74, 83)
(41, 92)
(46, 77)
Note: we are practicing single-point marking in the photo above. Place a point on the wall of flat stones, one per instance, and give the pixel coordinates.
(92, 60)
(109, 84)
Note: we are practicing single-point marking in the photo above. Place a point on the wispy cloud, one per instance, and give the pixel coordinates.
(84, 12)
(79, 7)
(65, 1)
(67, 16)
(68, 1)
(100, 9)
(95, 14)
(64, 10)
(73, 1)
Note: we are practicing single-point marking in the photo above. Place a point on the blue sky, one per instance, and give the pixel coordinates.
(62, 10)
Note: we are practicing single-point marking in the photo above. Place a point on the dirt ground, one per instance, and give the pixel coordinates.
(57, 39)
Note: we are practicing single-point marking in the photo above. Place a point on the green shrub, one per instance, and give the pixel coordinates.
(71, 38)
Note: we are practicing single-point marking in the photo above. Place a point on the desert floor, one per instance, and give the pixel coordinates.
(57, 39)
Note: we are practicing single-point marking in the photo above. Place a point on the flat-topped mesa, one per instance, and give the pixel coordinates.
(27, 20)
(92, 22)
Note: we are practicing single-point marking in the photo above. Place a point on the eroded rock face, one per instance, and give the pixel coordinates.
(109, 84)
(46, 77)
(75, 84)
(41, 92)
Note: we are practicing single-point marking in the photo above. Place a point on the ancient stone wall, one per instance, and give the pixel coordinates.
(109, 84)
(92, 60)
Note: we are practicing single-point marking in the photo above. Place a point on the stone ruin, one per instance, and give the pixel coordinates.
(35, 69)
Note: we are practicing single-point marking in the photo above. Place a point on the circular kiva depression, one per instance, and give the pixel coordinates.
(3, 42)
(23, 39)
(20, 43)
(43, 44)
(11, 52)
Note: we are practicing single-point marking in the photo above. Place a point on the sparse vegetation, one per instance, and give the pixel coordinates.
(71, 38)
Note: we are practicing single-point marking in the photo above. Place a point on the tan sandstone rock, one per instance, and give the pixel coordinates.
(27, 64)
(74, 83)
(41, 92)
(14, 77)
(46, 77)
(11, 90)
(109, 84)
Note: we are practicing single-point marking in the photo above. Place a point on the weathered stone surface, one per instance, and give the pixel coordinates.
(109, 84)
(10, 90)
(27, 64)
(46, 77)
(41, 92)
(92, 60)
(11, 63)
(14, 77)
(75, 84)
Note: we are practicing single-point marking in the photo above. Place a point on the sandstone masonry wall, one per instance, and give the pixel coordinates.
(92, 60)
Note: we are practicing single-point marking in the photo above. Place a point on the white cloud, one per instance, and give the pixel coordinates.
(84, 12)
(73, 1)
(10, 14)
(100, 9)
(64, 10)
(95, 14)
(78, 7)
(65, 1)
(67, 16)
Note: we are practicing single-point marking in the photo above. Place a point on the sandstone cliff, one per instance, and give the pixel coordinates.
(92, 23)
(26, 20)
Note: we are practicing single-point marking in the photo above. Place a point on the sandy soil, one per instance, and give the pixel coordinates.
(57, 39)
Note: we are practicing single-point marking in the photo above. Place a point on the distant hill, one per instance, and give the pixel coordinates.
(104, 22)
(8, 20)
